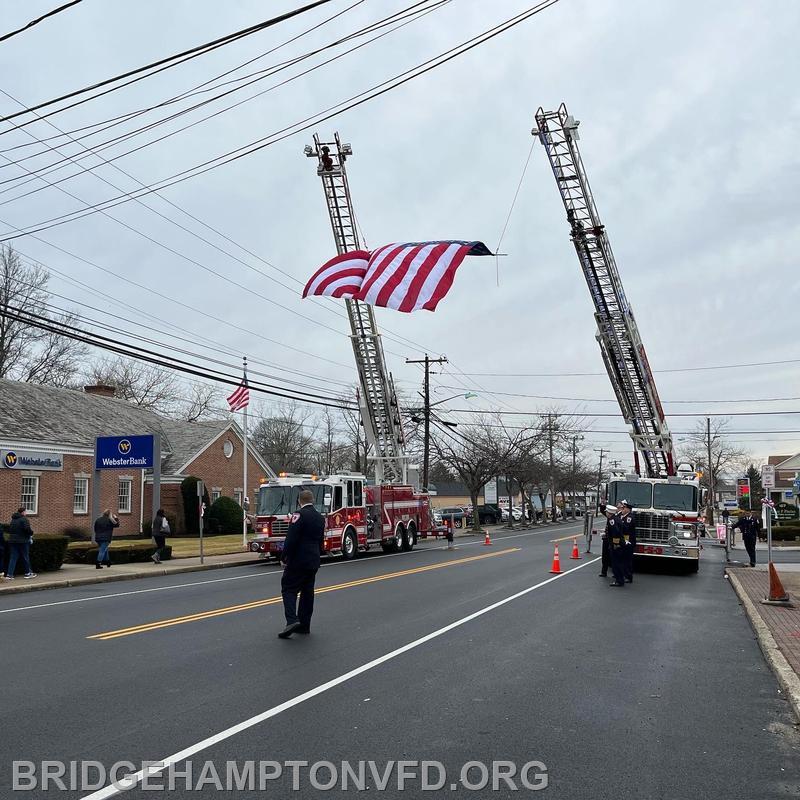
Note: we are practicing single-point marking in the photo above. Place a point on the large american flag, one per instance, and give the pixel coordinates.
(240, 398)
(403, 276)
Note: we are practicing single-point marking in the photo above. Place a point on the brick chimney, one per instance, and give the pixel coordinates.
(101, 390)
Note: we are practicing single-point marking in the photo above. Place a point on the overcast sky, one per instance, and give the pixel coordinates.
(689, 124)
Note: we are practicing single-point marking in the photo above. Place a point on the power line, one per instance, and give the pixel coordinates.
(162, 64)
(151, 357)
(42, 18)
(612, 400)
(605, 414)
(277, 136)
(605, 374)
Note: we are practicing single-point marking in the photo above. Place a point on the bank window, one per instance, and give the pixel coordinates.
(30, 494)
(124, 499)
(80, 496)
(215, 494)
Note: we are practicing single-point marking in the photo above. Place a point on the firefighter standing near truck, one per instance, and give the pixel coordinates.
(621, 536)
(749, 526)
(605, 554)
(301, 557)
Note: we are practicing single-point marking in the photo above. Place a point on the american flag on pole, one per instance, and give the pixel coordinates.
(240, 398)
(405, 276)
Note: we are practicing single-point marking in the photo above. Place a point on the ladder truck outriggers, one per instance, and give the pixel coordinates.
(666, 500)
(390, 513)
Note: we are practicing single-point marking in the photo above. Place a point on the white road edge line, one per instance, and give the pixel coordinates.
(235, 578)
(130, 781)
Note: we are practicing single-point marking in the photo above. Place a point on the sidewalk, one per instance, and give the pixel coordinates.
(777, 628)
(84, 574)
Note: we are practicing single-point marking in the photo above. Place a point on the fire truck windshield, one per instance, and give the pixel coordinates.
(675, 497)
(638, 493)
(276, 501)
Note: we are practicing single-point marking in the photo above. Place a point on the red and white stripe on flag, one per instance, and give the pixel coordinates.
(240, 398)
(412, 276)
(340, 277)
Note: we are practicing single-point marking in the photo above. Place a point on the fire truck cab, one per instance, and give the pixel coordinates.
(357, 516)
(666, 512)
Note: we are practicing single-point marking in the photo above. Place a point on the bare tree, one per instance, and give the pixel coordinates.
(486, 451)
(285, 437)
(200, 403)
(28, 353)
(356, 436)
(727, 457)
(139, 383)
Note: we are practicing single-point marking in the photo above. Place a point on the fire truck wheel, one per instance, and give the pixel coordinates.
(349, 545)
(410, 539)
(399, 539)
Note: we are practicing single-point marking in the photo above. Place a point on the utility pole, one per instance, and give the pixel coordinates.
(575, 440)
(600, 472)
(426, 394)
(550, 446)
(712, 487)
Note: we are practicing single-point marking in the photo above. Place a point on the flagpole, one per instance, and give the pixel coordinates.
(244, 470)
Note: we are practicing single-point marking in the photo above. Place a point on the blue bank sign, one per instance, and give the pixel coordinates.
(124, 452)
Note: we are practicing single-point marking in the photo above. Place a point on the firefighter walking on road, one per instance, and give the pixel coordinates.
(301, 557)
(749, 527)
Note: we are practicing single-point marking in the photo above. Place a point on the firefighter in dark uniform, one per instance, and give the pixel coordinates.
(605, 553)
(301, 556)
(749, 526)
(621, 529)
(629, 534)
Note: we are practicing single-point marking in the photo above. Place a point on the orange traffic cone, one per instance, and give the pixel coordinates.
(777, 594)
(486, 539)
(575, 554)
(556, 568)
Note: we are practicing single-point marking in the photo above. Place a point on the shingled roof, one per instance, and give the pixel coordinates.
(71, 418)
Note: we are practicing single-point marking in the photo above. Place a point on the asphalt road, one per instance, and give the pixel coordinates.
(658, 690)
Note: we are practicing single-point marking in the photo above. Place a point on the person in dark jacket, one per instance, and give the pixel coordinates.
(103, 533)
(749, 527)
(300, 557)
(160, 532)
(20, 536)
(605, 552)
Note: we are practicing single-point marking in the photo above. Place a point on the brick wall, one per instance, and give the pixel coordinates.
(56, 489)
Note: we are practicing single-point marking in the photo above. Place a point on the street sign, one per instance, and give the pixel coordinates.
(124, 452)
(743, 488)
(490, 492)
(768, 476)
(789, 493)
(729, 504)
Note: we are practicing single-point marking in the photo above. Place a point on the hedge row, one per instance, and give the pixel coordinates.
(120, 553)
(47, 553)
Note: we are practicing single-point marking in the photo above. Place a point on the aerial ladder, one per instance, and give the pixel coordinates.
(380, 412)
(617, 333)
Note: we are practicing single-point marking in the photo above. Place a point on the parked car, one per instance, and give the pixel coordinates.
(456, 513)
(516, 514)
(488, 514)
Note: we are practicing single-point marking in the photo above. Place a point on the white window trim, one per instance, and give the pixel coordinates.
(129, 481)
(85, 511)
(35, 511)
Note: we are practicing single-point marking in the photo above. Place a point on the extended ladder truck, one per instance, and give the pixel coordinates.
(389, 513)
(666, 501)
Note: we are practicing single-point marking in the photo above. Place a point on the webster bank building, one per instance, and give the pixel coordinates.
(47, 457)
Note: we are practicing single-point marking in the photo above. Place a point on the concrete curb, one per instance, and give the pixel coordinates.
(122, 576)
(787, 677)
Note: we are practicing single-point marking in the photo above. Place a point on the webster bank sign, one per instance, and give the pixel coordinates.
(31, 459)
(124, 452)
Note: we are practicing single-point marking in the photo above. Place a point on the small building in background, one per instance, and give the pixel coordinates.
(47, 448)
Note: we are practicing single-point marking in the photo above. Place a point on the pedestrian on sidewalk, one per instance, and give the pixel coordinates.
(160, 532)
(749, 526)
(20, 538)
(103, 533)
(301, 558)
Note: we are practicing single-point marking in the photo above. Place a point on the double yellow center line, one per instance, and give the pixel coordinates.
(168, 623)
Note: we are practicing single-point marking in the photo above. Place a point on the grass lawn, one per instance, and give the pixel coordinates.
(185, 547)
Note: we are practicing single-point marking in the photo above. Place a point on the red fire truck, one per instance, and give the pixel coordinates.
(353, 512)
